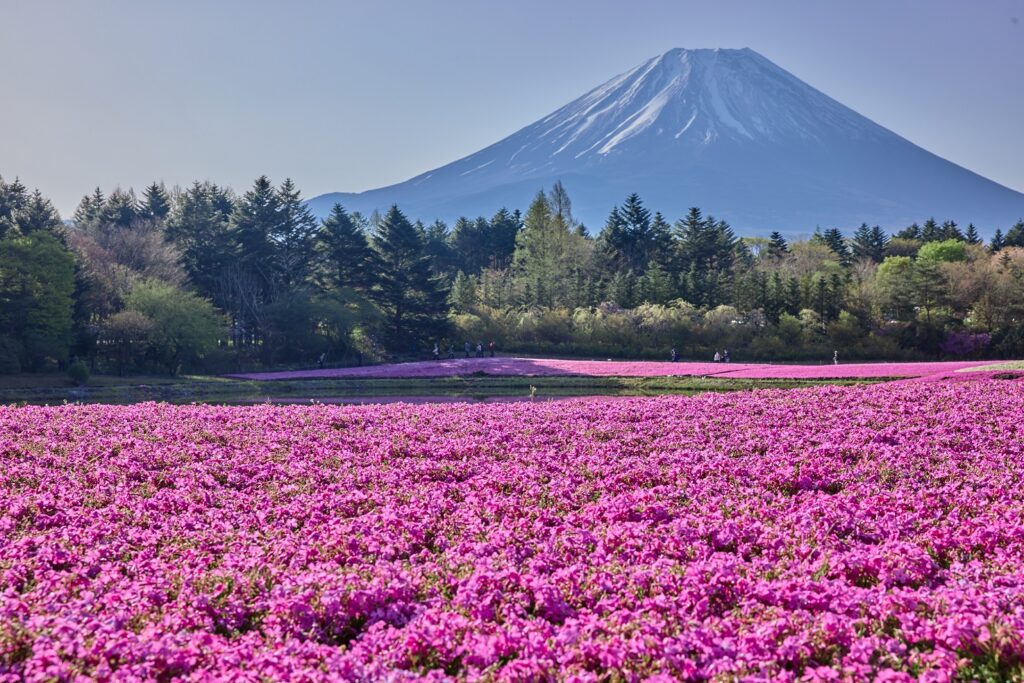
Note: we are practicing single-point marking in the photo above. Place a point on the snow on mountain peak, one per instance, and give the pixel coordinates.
(724, 129)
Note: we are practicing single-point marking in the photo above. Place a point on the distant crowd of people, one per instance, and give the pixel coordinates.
(468, 348)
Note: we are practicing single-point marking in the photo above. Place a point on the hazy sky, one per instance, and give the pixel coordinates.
(346, 96)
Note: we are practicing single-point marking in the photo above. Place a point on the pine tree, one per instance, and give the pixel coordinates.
(412, 299)
(542, 258)
(502, 238)
(869, 243)
(120, 210)
(997, 242)
(155, 202)
(294, 237)
(38, 215)
(655, 284)
(972, 235)
(199, 226)
(950, 231)
(13, 199)
(778, 248)
(631, 240)
(1015, 235)
(833, 238)
(930, 231)
(911, 232)
(257, 216)
(346, 258)
(463, 296)
(90, 210)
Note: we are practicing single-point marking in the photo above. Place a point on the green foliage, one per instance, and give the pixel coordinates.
(78, 373)
(185, 326)
(37, 281)
(412, 299)
(946, 251)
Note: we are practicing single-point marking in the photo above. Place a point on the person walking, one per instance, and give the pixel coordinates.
(718, 357)
(490, 347)
(725, 356)
(835, 357)
(451, 351)
(675, 354)
(467, 349)
(436, 352)
(321, 360)
(479, 349)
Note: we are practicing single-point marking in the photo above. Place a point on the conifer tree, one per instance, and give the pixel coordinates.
(199, 226)
(869, 243)
(412, 299)
(293, 236)
(972, 235)
(1015, 235)
(346, 257)
(997, 242)
(256, 217)
(155, 202)
(778, 248)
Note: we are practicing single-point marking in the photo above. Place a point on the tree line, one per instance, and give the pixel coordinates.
(202, 278)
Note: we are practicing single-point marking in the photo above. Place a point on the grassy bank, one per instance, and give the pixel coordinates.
(54, 389)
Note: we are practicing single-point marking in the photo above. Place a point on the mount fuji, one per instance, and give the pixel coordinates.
(725, 130)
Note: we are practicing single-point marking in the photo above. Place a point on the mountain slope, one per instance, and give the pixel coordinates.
(726, 130)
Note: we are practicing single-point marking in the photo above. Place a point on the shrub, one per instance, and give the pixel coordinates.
(78, 373)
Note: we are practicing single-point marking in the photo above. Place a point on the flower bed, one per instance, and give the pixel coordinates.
(546, 367)
(857, 533)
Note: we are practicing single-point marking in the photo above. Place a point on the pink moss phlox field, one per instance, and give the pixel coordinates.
(821, 534)
(548, 367)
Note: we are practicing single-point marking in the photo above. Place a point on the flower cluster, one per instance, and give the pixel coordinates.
(818, 534)
(546, 367)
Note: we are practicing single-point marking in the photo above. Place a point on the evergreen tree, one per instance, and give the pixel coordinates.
(346, 257)
(470, 241)
(833, 238)
(119, 211)
(869, 243)
(293, 235)
(655, 284)
(972, 235)
(13, 199)
(502, 237)
(464, 293)
(950, 231)
(631, 240)
(911, 232)
(542, 256)
(930, 231)
(198, 226)
(706, 253)
(1015, 235)
(256, 217)
(778, 248)
(38, 215)
(437, 246)
(412, 299)
(90, 210)
(155, 202)
(998, 242)
(37, 281)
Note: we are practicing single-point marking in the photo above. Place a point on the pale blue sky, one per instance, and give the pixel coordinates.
(346, 96)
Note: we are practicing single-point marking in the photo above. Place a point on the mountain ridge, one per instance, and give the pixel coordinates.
(726, 130)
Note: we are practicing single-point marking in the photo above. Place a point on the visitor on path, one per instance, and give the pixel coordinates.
(490, 347)
(835, 357)
(451, 351)
(321, 360)
(479, 349)
(436, 352)
(718, 357)
(467, 349)
(725, 356)
(675, 354)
